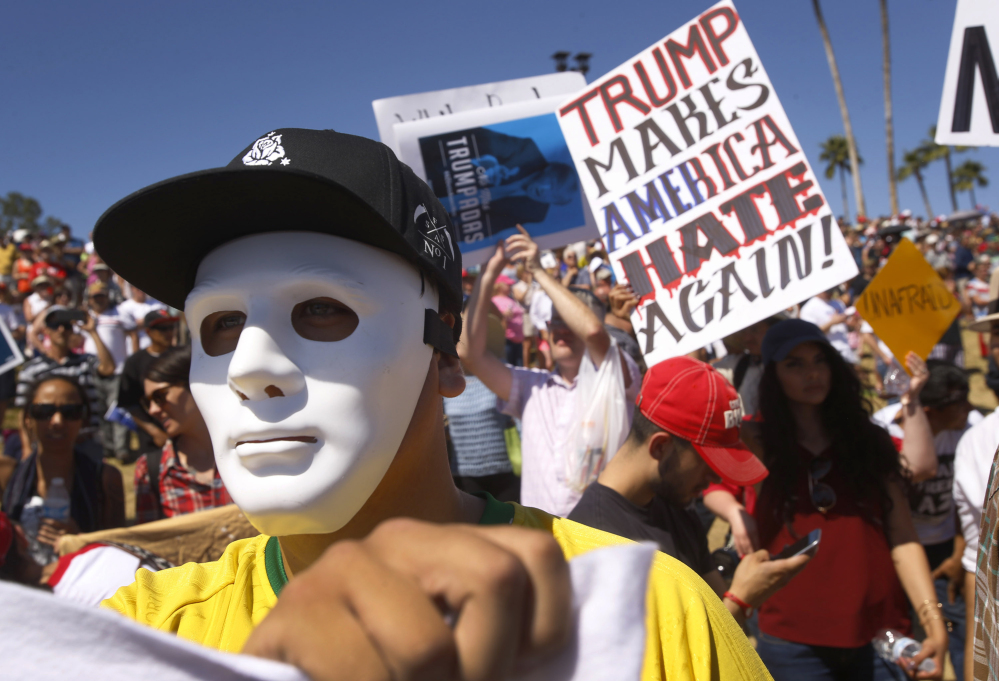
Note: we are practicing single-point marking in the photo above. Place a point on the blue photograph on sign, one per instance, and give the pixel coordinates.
(494, 177)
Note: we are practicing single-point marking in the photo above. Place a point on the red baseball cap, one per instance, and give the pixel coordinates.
(691, 400)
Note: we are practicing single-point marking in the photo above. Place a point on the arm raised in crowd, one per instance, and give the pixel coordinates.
(488, 368)
(105, 366)
(577, 316)
(919, 453)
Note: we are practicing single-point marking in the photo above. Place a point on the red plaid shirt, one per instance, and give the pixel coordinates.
(180, 492)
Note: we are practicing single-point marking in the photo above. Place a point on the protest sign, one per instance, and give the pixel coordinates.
(700, 189)
(496, 168)
(424, 105)
(969, 107)
(10, 353)
(907, 303)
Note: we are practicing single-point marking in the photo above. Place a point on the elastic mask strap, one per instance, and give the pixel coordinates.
(438, 334)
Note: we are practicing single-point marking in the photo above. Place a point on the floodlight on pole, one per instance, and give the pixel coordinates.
(561, 61)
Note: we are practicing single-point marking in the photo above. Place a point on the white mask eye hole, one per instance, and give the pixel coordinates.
(220, 332)
(323, 319)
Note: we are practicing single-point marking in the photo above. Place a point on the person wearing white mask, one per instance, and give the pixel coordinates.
(321, 282)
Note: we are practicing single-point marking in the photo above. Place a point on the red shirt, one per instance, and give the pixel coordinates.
(180, 492)
(849, 590)
(52, 270)
(744, 495)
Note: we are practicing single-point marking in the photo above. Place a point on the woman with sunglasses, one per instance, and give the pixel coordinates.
(833, 469)
(183, 479)
(56, 409)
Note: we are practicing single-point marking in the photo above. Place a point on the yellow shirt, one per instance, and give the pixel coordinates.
(7, 256)
(690, 633)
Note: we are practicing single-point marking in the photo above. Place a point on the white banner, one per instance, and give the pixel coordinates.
(425, 105)
(700, 189)
(969, 107)
(496, 168)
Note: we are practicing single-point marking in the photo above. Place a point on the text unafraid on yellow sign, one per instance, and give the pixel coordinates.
(907, 303)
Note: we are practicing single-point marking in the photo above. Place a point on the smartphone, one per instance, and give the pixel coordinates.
(77, 315)
(807, 544)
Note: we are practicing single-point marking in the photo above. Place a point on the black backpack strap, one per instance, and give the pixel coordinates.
(153, 466)
(739, 374)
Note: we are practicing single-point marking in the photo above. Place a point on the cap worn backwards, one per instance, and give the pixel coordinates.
(289, 179)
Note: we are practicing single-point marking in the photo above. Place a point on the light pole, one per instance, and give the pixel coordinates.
(582, 60)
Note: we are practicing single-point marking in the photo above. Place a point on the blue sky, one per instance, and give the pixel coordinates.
(103, 98)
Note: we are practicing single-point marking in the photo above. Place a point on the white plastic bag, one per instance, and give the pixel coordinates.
(600, 424)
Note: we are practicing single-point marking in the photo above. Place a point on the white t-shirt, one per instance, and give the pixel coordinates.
(972, 466)
(977, 287)
(36, 304)
(95, 573)
(11, 316)
(931, 501)
(819, 312)
(134, 313)
(541, 310)
(111, 327)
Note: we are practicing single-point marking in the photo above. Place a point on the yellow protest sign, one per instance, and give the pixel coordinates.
(907, 303)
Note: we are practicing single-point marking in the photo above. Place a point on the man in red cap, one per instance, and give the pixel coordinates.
(685, 435)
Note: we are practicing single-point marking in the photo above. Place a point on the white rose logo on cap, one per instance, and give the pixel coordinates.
(265, 151)
(437, 240)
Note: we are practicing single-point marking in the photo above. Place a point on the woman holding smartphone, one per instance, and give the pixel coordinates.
(832, 469)
(56, 409)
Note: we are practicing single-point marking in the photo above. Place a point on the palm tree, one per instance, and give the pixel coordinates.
(967, 175)
(858, 191)
(937, 152)
(913, 163)
(836, 154)
(889, 126)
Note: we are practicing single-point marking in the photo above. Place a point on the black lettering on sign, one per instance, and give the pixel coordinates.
(654, 313)
(975, 54)
(664, 262)
(634, 270)
(746, 276)
(717, 238)
(748, 69)
(708, 306)
(646, 129)
(617, 148)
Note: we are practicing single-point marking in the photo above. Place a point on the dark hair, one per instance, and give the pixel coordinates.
(863, 452)
(642, 429)
(173, 367)
(946, 385)
(29, 396)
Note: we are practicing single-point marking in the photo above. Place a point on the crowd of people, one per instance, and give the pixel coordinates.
(550, 419)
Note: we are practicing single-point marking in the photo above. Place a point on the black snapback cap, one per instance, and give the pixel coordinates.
(289, 180)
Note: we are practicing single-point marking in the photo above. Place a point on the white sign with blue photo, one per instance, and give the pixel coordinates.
(496, 168)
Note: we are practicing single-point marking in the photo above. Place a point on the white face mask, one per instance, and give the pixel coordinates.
(354, 397)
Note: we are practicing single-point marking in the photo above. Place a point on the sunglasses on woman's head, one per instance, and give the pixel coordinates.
(823, 496)
(44, 412)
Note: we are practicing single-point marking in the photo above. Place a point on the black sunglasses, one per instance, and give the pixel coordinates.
(823, 496)
(59, 325)
(44, 412)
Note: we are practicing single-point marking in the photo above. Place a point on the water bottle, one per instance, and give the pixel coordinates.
(57, 501)
(31, 520)
(892, 646)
